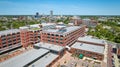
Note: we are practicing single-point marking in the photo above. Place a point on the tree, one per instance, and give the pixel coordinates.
(59, 20)
(66, 21)
(117, 39)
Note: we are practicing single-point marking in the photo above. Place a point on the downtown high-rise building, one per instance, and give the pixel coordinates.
(51, 16)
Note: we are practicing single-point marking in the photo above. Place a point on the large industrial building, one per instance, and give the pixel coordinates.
(89, 50)
(24, 59)
(50, 43)
(62, 36)
(9, 39)
(60, 50)
(90, 47)
(44, 56)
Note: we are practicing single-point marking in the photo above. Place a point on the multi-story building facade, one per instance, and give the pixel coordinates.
(9, 39)
(76, 20)
(24, 34)
(63, 36)
(88, 50)
(90, 47)
(29, 37)
(89, 22)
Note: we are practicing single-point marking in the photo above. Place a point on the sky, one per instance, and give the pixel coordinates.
(60, 7)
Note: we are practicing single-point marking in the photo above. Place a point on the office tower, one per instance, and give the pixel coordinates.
(51, 16)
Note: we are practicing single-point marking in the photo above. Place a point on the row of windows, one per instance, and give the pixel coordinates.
(55, 38)
(52, 34)
(55, 41)
(74, 33)
(10, 34)
(34, 31)
(86, 52)
(8, 45)
(70, 34)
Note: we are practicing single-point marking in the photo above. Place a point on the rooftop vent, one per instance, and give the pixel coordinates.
(62, 30)
(81, 44)
(103, 41)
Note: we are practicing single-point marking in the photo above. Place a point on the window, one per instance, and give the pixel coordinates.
(52, 34)
(57, 35)
(52, 40)
(9, 41)
(48, 34)
(14, 43)
(18, 33)
(48, 40)
(4, 46)
(14, 40)
(4, 43)
(61, 38)
(13, 33)
(56, 41)
(3, 39)
(14, 37)
(48, 37)
(61, 42)
(52, 37)
(61, 35)
(2, 36)
(56, 38)
(8, 35)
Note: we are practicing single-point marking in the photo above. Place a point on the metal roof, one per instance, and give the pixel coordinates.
(90, 39)
(5, 32)
(62, 31)
(44, 61)
(88, 47)
(49, 46)
(23, 59)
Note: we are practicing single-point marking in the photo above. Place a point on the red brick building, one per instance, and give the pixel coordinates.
(64, 36)
(89, 22)
(76, 20)
(88, 50)
(9, 39)
(29, 37)
(91, 40)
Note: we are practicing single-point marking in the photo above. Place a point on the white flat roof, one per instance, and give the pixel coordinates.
(44, 61)
(68, 30)
(49, 46)
(23, 59)
(35, 25)
(5, 32)
(24, 27)
(88, 47)
(90, 39)
(46, 24)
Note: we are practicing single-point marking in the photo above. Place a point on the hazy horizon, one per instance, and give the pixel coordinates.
(60, 7)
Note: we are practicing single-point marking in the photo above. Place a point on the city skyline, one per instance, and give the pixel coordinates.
(60, 7)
